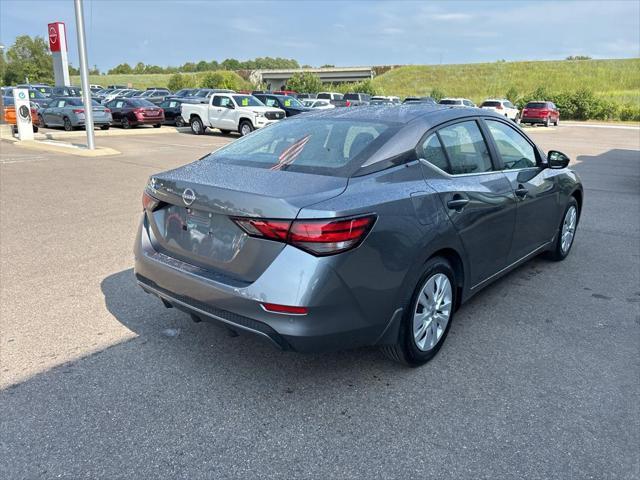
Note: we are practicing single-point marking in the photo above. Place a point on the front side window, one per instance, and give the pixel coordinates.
(514, 150)
(466, 148)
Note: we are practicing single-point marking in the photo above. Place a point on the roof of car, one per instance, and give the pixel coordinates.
(401, 114)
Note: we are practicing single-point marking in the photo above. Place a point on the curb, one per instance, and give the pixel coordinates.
(61, 147)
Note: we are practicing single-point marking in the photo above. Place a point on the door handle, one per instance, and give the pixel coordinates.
(521, 192)
(458, 202)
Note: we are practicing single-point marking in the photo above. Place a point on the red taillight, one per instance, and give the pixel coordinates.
(274, 307)
(106, 110)
(499, 107)
(347, 103)
(149, 202)
(318, 237)
(78, 110)
(271, 229)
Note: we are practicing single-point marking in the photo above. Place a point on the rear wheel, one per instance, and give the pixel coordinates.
(67, 124)
(157, 125)
(557, 121)
(179, 122)
(566, 232)
(125, 123)
(547, 121)
(245, 127)
(196, 126)
(427, 317)
(41, 121)
(35, 129)
(105, 127)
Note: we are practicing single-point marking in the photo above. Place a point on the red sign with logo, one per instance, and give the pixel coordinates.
(56, 32)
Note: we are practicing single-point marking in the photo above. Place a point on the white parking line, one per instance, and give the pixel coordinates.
(593, 125)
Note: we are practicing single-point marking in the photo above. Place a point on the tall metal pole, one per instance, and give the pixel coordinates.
(84, 76)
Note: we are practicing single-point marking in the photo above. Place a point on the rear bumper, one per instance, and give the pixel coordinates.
(334, 321)
(148, 121)
(533, 119)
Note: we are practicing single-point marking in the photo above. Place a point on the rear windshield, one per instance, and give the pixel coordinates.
(490, 104)
(536, 105)
(450, 102)
(319, 146)
(138, 102)
(351, 96)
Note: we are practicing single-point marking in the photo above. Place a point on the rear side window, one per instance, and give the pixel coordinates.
(433, 153)
(325, 147)
(466, 148)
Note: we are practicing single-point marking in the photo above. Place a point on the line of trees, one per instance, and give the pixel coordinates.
(204, 66)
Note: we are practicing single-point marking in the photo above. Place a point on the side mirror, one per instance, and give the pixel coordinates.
(557, 159)
(230, 106)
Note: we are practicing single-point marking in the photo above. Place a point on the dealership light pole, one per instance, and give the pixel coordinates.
(84, 76)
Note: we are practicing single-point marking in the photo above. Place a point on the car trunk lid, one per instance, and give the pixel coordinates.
(194, 220)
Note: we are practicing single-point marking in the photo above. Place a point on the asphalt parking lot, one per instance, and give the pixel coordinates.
(539, 378)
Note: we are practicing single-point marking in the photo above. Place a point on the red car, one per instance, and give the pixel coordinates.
(131, 112)
(540, 112)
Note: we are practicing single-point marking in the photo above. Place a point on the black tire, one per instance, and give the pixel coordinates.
(179, 121)
(547, 121)
(406, 351)
(225, 132)
(35, 129)
(125, 123)
(41, 121)
(157, 125)
(67, 124)
(197, 127)
(245, 128)
(557, 254)
(556, 122)
(105, 127)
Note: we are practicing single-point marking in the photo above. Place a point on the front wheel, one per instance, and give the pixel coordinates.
(245, 127)
(427, 317)
(126, 123)
(196, 126)
(41, 121)
(67, 124)
(557, 121)
(105, 127)
(157, 125)
(566, 232)
(179, 122)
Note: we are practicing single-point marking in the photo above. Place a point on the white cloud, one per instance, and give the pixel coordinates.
(451, 17)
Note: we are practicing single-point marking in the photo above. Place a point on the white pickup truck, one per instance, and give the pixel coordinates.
(230, 112)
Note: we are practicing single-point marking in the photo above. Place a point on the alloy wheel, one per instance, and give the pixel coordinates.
(246, 129)
(432, 311)
(568, 228)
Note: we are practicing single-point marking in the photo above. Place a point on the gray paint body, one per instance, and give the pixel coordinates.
(357, 297)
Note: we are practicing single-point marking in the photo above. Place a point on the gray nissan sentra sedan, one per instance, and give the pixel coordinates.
(355, 226)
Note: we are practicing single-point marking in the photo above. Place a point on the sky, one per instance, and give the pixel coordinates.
(342, 33)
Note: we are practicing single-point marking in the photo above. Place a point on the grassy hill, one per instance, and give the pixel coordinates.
(141, 81)
(618, 80)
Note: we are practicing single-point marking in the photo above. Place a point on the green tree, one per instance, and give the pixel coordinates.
(178, 81)
(28, 58)
(73, 70)
(122, 69)
(223, 79)
(305, 82)
(230, 64)
(437, 94)
(202, 66)
(139, 68)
